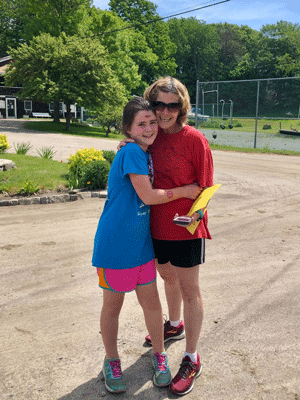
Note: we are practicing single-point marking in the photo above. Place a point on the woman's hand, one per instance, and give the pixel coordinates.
(194, 217)
(124, 142)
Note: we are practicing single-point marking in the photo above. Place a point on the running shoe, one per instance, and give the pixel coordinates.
(184, 381)
(170, 332)
(162, 374)
(113, 375)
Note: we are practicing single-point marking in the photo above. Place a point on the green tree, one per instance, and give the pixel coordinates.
(10, 26)
(143, 16)
(21, 20)
(273, 52)
(52, 16)
(65, 69)
(134, 11)
(232, 48)
(197, 51)
(283, 42)
(106, 27)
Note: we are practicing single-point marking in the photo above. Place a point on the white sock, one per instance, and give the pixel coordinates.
(193, 356)
(175, 323)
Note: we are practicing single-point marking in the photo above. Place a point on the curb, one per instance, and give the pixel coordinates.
(51, 199)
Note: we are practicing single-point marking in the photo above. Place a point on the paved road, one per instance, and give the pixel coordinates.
(70, 144)
(64, 145)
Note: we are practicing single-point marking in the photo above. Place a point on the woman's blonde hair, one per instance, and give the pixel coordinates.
(168, 84)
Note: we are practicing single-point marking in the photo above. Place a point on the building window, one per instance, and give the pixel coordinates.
(28, 106)
(51, 107)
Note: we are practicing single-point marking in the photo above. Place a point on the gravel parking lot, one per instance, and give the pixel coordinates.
(50, 303)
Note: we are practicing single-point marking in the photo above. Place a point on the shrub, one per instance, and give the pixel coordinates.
(77, 161)
(236, 123)
(95, 174)
(46, 152)
(73, 180)
(109, 155)
(267, 126)
(209, 124)
(22, 148)
(29, 188)
(3, 144)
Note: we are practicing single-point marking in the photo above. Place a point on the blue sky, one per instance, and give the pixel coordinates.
(254, 14)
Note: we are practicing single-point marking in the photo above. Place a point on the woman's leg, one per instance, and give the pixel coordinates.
(109, 321)
(192, 305)
(172, 289)
(149, 300)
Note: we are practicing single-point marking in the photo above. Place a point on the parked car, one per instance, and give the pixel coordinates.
(200, 116)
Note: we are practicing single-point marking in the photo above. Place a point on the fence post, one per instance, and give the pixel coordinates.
(256, 116)
(197, 103)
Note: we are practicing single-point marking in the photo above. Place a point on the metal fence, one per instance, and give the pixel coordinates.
(274, 98)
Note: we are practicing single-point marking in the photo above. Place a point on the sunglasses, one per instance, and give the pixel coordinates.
(160, 106)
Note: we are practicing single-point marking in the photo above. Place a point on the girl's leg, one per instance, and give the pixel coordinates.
(192, 305)
(149, 300)
(109, 321)
(172, 288)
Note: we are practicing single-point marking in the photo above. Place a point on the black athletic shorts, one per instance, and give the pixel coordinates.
(180, 253)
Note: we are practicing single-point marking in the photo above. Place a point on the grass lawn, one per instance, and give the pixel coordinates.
(248, 125)
(32, 173)
(252, 150)
(39, 174)
(75, 129)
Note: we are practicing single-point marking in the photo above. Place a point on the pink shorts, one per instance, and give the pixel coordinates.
(126, 280)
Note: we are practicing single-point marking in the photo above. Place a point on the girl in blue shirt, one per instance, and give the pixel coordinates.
(123, 252)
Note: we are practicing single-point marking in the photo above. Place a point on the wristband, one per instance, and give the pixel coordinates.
(201, 215)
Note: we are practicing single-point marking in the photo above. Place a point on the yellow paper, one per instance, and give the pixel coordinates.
(201, 202)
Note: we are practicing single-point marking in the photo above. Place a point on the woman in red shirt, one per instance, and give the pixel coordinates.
(181, 156)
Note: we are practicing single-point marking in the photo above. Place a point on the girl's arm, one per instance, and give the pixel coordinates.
(148, 195)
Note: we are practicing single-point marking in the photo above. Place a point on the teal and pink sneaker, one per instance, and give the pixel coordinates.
(162, 374)
(113, 375)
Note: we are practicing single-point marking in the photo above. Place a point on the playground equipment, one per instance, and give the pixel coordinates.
(230, 126)
(223, 103)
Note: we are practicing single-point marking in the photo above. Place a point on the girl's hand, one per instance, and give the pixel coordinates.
(124, 142)
(192, 191)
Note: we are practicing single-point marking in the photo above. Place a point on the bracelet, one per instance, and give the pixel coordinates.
(169, 194)
(200, 214)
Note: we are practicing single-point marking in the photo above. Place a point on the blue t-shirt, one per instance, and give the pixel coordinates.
(123, 238)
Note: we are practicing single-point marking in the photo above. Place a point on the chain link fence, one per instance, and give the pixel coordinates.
(269, 108)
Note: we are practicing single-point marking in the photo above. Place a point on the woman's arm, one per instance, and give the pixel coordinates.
(149, 196)
(124, 142)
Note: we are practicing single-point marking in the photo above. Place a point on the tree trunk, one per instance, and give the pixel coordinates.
(108, 131)
(68, 116)
(56, 111)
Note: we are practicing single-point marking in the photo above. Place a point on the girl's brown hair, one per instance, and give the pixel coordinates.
(168, 84)
(131, 109)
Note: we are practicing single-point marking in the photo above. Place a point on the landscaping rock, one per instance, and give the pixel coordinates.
(6, 164)
(51, 199)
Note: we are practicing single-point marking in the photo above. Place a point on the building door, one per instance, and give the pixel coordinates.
(11, 108)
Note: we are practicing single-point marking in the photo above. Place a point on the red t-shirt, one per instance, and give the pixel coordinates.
(179, 159)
